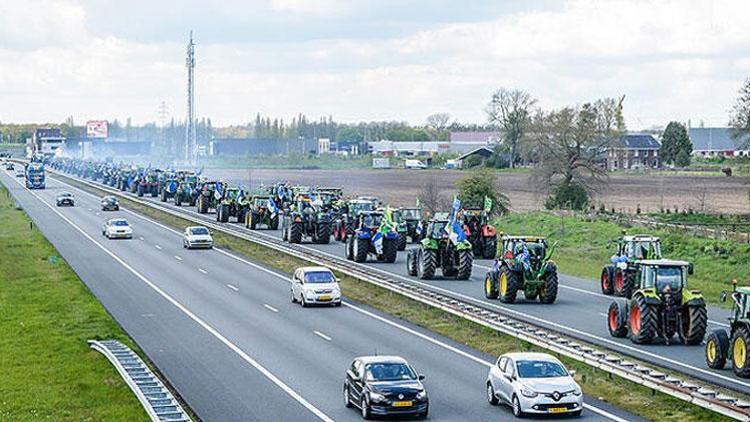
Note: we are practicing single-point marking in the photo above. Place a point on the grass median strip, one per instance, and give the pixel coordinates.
(46, 315)
(627, 395)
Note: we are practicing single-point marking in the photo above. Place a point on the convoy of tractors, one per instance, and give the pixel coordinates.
(652, 300)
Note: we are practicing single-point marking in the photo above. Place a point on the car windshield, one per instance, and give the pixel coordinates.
(199, 230)
(412, 214)
(66, 195)
(121, 223)
(109, 199)
(389, 372)
(540, 369)
(319, 277)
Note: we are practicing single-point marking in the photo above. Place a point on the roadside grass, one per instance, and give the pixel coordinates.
(617, 391)
(46, 316)
(731, 221)
(584, 249)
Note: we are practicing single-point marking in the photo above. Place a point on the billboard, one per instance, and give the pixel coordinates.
(96, 129)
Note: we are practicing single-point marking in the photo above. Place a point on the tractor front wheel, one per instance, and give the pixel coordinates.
(717, 347)
(295, 233)
(508, 285)
(548, 292)
(360, 248)
(606, 280)
(694, 321)
(390, 250)
(740, 361)
(402, 242)
(411, 262)
(641, 321)
(491, 288)
(490, 248)
(274, 225)
(617, 319)
(426, 263)
(465, 261)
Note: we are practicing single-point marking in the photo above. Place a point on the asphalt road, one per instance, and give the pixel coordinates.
(223, 332)
(580, 311)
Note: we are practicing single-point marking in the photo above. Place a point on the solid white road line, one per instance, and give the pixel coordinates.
(202, 271)
(270, 308)
(233, 287)
(321, 335)
(268, 374)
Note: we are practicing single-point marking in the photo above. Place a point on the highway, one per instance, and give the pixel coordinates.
(223, 332)
(580, 311)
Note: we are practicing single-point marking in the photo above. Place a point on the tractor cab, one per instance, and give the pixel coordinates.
(741, 309)
(664, 276)
(513, 246)
(356, 206)
(732, 345)
(372, 199)
(411, 214)
(370, 220)
(639, 247)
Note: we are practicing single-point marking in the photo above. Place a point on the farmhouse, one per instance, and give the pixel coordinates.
(633, 151)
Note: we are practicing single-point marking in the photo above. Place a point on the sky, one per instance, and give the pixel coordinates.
(368, 60)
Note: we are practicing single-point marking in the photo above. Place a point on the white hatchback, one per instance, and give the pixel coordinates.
(534, 383)
(197, 237)
(315, 286)
(117, 228)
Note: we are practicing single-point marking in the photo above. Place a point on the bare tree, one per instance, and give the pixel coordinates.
(701, 195)
(431, 197)
(437, 124)
(510, 111)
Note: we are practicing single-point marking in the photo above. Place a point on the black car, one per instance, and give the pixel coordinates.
(65, 198)
(385, 385)
(110, 203)
(9, 166)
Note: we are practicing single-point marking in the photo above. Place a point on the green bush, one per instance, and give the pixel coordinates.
(474, 187)
(569, 196)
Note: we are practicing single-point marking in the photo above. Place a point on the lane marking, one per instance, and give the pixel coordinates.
(201, 270)
(270, 308)
(177, 258)
(235, 288)
(321, 335)
(157, 247)
(141, 238)
(260, 368)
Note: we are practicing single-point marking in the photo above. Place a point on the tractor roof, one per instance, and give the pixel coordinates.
(640, 238)
(410, 208)
(745, 290)
(524, 238)
(440, 216)
(378, 212)
(359, 201)
(663, 262)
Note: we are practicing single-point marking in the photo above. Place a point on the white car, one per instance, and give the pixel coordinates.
(534, 383)
(315, 285)
(197, 237)
(117, 228)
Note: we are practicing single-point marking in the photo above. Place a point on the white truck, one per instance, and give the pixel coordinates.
(414, 165)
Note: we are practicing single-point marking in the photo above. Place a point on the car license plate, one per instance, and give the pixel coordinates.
(557, 409)
(402, 403)
(325, 298)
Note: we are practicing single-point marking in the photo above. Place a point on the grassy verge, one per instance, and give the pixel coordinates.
(584, 249)
(629, 396)
(46, 316)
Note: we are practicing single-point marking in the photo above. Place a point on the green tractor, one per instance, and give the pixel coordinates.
(232, 203)
(168, 183)
(187, 191)
(263, 211)
(401, 229)
(306, 220)
(661, 306)
(618, 278)
(733, 345)
(209, 193)
(439, 249)
(412, 216)
(524, 265)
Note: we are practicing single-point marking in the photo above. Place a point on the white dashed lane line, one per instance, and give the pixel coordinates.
(321, 335)
(233, 287)
(157, 247)
(202, 271)
(177, 257)
(270, 308)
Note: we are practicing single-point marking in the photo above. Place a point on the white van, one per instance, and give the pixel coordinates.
(414, 164)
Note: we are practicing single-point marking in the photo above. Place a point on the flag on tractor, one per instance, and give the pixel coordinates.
(272, 206)
(417, 202)
(386, 225)
(487, 204)
(218, 193)
(453, 228)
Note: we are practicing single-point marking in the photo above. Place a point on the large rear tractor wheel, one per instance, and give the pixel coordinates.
(465, 261)
(390, 250)
(491, 286)
(140, 190)
(624, 283)
(360, 248)
(617, 319)
(274, 225)
(349, 246)
(322, 233)
(163, 196)
(508, 285)
(177, 199)
(295, 233)
(490, 248)
(694, 322)
(740, 357)
(641, 321)
(402, 242)
(253, 221)
(426, 263)
(606, 280)
(222, 213)
(548, 292)
(411, 262)
(717, 347)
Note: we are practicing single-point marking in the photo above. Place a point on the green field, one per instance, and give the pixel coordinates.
(46, 317)
(584, 249)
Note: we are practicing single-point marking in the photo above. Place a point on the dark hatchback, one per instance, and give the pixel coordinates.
(65, 198)
(110, 203)
(384, 386)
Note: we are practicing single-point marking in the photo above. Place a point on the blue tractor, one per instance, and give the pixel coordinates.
(375, 234)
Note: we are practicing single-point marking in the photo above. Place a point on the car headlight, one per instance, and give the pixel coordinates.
(577, 391)
(376, 397)
(422, 395)
(310, 294)
(528, 392)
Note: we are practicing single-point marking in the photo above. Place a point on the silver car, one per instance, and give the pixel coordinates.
(534, 383)
(117, 228)
(197, 237)
(315, 286)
